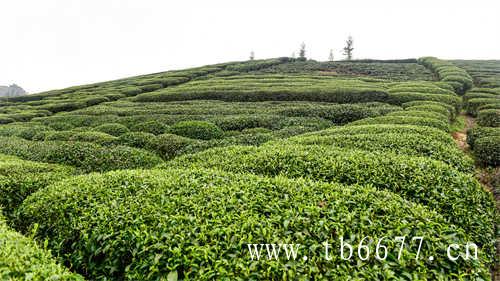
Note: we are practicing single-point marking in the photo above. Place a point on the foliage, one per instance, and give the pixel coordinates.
(152, 223)
(197, 130)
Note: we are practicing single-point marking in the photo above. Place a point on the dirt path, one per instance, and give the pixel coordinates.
(485, 177)
(460, 137)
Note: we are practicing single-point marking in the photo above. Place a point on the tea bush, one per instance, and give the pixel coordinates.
(457, 196)
(420, 113)
(21, 259)
(20, 178)
(480, 132)
(87, 157)
(405, 120)
(113, 129)
(139, 140)
(410, 144)
(489, 118)
(95, 137)
(153, 127)
(487, 150)
(474, 104)
(402, 98)
(151, 224)
(197, 130)
(170, 145)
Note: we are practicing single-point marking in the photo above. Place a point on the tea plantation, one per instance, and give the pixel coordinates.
(170, 176)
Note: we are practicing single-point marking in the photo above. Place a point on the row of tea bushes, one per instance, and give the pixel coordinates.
(183, 137)
(449, 72)
(21, 259)
(196, 224)
(395, 70)
(486, 73)
(337, 113)
(402, 143)
(455, 195)
(484, 140)
(20, 178)
(86, 157)
(80, 97)
(270, 88)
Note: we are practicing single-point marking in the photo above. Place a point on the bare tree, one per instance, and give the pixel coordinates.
(348, 48)
(252, 55)
(330, 56)
(302, 51)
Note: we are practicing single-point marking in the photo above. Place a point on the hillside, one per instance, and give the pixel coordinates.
(171, 175)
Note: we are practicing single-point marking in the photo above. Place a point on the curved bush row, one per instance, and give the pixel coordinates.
(87, 157)
(21, 259)
(268, 88)
(480, 132)
(448, 72)
(345, 95)
(402, 143)
(419, 113)
(452, 112)
(20, 178)
(443, 111)
(487, 150)
(457, 196)
(405, 120)
(489, 118)
(475, 104)
(197, 130)
(406, 97)
(435, 134)
(169, 228)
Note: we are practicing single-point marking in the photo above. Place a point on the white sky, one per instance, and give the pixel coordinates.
(58, 43)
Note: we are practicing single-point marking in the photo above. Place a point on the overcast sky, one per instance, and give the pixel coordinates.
(58, 43)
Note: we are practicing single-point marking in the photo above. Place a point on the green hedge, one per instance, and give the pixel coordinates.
(404, 120)
(480, 132)
(420, 113)
(487, 150)
(430, 132)
(336, 96)
(402, 98)
(451, 109)
(197, 130)
(20, 178)
(153, 127)
(139, 140)
(95, 137)
(21, 259)
(170, 145)
(474, 104)
(489, 118)
(457, 196)
(87, 157)
(448, 72)
(196, 224)
(113, 129)
(25, 131)
(410, 144)
(432, 108)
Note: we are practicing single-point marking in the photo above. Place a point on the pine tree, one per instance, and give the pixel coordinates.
(302, 51)
(348, 48)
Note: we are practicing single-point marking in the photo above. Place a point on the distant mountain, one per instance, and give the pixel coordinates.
(12, 91)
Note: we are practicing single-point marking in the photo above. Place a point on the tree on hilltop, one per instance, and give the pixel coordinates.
(348, 48)
(302, 52)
